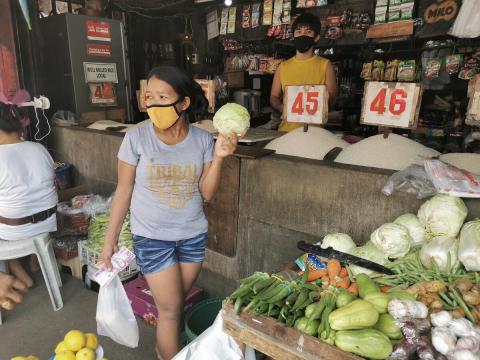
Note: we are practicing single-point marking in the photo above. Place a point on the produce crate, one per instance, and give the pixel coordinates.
(90, 257)
(276, 340)
(65, 254)
(65, 248)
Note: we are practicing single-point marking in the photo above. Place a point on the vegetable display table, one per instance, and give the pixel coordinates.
(276, 340)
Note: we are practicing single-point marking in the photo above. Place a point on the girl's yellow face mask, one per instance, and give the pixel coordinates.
(164, 116)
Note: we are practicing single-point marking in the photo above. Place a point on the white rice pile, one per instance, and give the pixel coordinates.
(395, 153)
(313, 144)
(465, 161)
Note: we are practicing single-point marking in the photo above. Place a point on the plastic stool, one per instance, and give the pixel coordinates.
(74, 265)
(41, 246)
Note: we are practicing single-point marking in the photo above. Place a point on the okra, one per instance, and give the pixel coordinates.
(259, 286)
(238, 305)
(269, 292)
(242, 291)
(300, 299)
(281, 294)
(291, 299)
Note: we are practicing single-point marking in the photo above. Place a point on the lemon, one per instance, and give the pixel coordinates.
(61, 346)
(19, 358)
(65, 355)
(92, 341)
(86, 354)
(74, 340)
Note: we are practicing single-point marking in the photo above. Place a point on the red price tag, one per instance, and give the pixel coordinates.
(306, 104)
(391, 104)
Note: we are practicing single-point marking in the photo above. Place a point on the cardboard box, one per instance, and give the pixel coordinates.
(235, 79)
(143, 304)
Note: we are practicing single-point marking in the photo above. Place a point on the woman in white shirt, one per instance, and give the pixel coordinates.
(28, 196)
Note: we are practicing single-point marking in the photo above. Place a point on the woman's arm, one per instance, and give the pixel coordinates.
(210, 179)
(120, 205)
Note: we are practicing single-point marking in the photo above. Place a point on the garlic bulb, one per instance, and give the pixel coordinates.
(442, 318)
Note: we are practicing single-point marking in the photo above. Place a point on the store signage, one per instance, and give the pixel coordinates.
(98, 30)
(100, 72)
(445, 10)
(101, 50)
(306, 104)
(437, 17)
(102, 94)
(391, 104)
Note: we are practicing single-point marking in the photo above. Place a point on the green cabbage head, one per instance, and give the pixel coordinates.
(232, 118)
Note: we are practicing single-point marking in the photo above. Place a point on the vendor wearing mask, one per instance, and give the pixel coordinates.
(305, 68)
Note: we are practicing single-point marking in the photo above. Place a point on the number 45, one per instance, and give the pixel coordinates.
(311, 103)
(397, 103)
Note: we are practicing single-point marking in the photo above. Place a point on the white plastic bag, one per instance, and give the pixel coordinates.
(467, 23)
(214, 344)
(450, 180)
(115, 317)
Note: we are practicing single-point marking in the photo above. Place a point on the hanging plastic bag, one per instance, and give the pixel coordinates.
(467, 23)
(115, 317)
(214, 344)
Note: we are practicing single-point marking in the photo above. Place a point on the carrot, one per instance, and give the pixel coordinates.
(316, 274)
(343, 272)
(333, 269)
(353, 288)
(344, 282)
(385, 289)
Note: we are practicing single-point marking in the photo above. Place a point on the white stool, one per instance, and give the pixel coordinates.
(41, 246)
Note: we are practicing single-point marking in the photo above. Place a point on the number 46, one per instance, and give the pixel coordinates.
(397, 103)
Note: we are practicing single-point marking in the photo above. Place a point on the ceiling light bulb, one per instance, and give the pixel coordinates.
(228, 2)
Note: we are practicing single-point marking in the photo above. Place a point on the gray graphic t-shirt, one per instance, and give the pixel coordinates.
(166, 201)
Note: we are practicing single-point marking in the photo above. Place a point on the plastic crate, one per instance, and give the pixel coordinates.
(65, 254)
(90, 257)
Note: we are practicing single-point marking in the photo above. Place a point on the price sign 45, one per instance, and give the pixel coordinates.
(306, 104)
(391, 104)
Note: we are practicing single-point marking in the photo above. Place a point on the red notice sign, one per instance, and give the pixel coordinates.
(99, 50)
(98, 30)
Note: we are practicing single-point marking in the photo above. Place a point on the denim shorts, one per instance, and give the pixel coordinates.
(156, 255)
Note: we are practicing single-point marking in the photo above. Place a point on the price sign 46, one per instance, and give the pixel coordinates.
(391, 104)
(306, 104)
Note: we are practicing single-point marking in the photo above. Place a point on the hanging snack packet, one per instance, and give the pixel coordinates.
(366, 71)
(406, 70)
(391, 71)
(256, 15)
(432, 69)
(378, 70)
(246, 17)
(452, 63)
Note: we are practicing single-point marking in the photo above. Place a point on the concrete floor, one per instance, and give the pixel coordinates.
(34, 328)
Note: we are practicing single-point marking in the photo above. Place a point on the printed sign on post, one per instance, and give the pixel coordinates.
(98, 30)
(99, 50)
(100, 72)
(306, 104)
(391, 104)
(102, 94)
